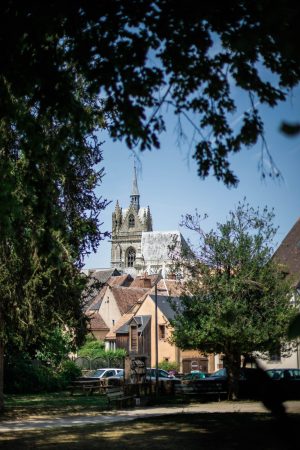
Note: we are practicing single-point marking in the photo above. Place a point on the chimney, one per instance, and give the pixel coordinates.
(146, 281)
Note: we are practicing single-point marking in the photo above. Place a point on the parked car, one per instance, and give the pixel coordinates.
(287, 382)
(192, 376)
(250, 383)
(163, 375)
(107, 373)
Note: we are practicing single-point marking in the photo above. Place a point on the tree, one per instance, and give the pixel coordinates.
(137, 57)
(236, 301)
(50, 217)
(69, 69)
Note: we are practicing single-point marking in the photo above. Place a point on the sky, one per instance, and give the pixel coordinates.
(168, 181)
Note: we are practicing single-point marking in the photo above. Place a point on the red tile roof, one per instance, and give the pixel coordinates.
(126, 297)
(288, 253)
(121, 280)
(96, 321)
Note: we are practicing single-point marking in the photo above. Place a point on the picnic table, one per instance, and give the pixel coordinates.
(88, 385)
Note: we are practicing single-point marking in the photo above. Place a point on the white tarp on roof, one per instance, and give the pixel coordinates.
(158, 245)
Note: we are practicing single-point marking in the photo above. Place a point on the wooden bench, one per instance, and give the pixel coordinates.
(184, 390)
(189, 390)
(116, 396)
(86, 386)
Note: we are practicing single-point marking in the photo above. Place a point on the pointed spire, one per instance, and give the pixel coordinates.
(135, 189)
(135, 195)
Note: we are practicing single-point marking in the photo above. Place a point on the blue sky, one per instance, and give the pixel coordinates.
(169, 184)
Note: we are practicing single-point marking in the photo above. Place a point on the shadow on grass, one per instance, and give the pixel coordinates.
(209, 431)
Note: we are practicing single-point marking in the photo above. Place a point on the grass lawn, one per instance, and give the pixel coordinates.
(52, 404)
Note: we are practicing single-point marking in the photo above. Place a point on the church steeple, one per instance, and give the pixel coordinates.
(135, 195)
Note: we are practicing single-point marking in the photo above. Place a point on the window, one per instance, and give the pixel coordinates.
(131, 221)
(133, 338)
(130, 257)
(162, 331)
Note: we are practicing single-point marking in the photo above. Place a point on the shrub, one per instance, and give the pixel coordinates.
(23, 376)
(169, 365)
(68, 372)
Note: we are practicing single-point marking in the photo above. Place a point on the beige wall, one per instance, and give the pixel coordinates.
(99, 334)
(109, 309)
(165, 349)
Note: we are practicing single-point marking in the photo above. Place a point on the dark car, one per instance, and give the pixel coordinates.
(192, 376)
(250, 384)
(163, 375)
(287, 382)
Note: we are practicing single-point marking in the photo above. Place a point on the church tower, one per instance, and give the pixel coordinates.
(127, 228)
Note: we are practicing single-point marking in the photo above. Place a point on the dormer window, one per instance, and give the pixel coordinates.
(131, 221)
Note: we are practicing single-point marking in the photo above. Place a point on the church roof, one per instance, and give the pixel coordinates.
(159, 245)
(288, 253)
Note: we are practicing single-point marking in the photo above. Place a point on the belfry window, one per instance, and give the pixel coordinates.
(131, 221)
(130, 257)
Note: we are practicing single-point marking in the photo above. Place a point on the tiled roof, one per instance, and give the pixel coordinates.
(98, 277)
(126, 297)
(96, 321)
(164, 304)
(141, 322)
(96, 301)
(173, 288)
(121, 280)
(123, 320)
(139, 281)
(288, 253)
(103, 275)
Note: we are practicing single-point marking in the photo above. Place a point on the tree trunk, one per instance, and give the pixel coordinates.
(233, 365)
(1, 376)
(1, 365)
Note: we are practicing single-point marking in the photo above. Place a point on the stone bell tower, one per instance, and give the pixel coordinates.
(127, 227)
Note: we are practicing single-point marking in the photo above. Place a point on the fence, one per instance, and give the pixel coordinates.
(97, 363)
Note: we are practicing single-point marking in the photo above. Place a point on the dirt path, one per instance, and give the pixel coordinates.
(137, 413)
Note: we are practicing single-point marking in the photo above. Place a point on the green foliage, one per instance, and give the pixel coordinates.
(236, 301)
(92, 349)
(23, 376)
(68, 371)
(56, 347)
(95, 349)
(168, 365)
(142, 59)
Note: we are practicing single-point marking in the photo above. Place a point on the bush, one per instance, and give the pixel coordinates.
(68, 372)
(25, 377)
(169, 365)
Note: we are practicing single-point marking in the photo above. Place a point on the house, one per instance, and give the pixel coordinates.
(135, 332)
(96, 279)
(287, 256)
